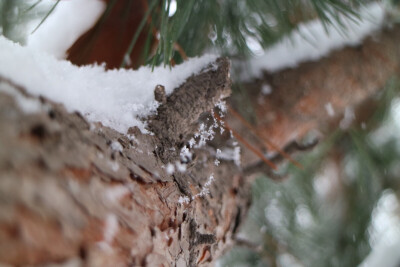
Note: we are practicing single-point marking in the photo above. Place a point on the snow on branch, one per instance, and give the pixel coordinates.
(116, 98)
(313, 40)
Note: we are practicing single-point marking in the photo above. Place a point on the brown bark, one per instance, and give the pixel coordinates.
(350, 78)
(67, 197)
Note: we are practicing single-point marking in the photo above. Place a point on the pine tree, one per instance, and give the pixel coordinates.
(318, 208)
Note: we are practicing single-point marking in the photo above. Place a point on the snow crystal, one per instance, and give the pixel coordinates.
(221, 104)
(116, 98)
(183, 200)
(180, 166)
(210, 180)
(69, 20)
(170, 168)
(206, 188)
(311, 41)
(230, 154)
(236, 155)
(116, 146)
(192, 142)
(185, 155)
(204, 134)
(204, 191)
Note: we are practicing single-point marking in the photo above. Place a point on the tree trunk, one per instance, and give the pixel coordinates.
(74, 192)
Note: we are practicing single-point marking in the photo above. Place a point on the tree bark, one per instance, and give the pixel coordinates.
(335, 92)
(74, 192)
(81, 193)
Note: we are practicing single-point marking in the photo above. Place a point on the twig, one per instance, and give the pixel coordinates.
(263, 138)
(244, 142)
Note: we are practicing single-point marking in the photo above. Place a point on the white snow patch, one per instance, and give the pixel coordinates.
(384, 233)
(180, 166)
(185, 154)
(116, 98)
(221, 104)
(183, 200)
(236, 155)
(192, 142)
(27, 105)
(116, 146)
(172, 8)
(311, 41)
(170, 168)
(69, 20)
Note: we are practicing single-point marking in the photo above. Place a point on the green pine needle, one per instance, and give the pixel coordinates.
(47, 15)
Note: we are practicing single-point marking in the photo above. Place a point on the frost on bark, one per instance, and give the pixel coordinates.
(77, 193)
(81, 193)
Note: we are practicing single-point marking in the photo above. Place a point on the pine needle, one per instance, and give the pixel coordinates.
(48, 14)
(263, 138)
(245, 143)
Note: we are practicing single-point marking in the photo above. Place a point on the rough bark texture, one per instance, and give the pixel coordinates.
(350, 78)
(177, 118)
(68, 197)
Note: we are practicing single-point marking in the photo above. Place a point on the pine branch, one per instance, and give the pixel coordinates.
(229, 25)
